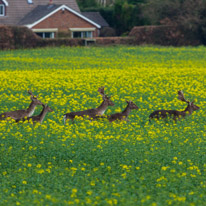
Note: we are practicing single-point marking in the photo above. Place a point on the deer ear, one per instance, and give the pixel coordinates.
(127, 102)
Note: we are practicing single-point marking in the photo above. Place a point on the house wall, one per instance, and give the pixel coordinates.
(64, 20)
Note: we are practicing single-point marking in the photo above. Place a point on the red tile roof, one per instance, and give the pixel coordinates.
(17, 9)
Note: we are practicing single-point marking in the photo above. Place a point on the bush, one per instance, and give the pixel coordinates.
(163, 35)
(64, 34)
(107, 32)
(6, 39)
(189, 15)
(14, 37)
(60, 42)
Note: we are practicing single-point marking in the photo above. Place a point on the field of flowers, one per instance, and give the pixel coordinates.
(97, 162)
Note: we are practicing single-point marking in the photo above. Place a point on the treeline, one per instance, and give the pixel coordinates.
(123, 15)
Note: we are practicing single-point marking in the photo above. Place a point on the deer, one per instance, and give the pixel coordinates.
(92, 113)
(19, 114)
(37, 118)
(124, 114)
(176, 115)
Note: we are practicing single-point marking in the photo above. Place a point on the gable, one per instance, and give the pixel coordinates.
(42, 13)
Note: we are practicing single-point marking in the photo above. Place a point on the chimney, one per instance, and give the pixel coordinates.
(50, 2)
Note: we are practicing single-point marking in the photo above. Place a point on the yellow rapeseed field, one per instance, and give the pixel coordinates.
(86, 162)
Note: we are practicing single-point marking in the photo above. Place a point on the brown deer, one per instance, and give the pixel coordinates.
(92, 113)
(19, 114)
(38, 118)
(161, 114)
(123, 115)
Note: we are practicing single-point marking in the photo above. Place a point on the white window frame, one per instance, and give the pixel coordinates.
(48, 30)
(44, 35)
(87, 31)
(3, 9)
(84, 34)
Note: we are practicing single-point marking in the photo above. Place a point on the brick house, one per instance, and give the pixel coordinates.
(48, 18)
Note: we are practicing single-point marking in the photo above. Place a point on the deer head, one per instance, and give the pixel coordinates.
(132, 105)
(191, 106)
(47, 108)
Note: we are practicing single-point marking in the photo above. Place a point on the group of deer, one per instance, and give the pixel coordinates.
(96, 113)
(158, 114)
(26, 114)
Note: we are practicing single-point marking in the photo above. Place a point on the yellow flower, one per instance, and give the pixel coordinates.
(184, 174)
(38, 166)
(92, 183)
(164, 168)
(74, 190)
(89, 192)
(40, 171)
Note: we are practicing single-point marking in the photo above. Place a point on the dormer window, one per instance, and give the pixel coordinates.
(2, 10)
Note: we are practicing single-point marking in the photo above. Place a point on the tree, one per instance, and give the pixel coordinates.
(87, 3)
(105, 3)
(122, 15)
(126, 16)
(188, 14)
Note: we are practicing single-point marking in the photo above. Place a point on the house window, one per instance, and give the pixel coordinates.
(82, 34)
(44, 35)
(2, 10)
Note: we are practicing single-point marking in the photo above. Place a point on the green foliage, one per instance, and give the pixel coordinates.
(189, 14)
(122, 16)
(126, 16)
(86, 3)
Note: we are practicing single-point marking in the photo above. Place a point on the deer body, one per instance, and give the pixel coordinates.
(92, 113)
(123, 115)
(162, 114)
(19, 114)
(38, 118)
